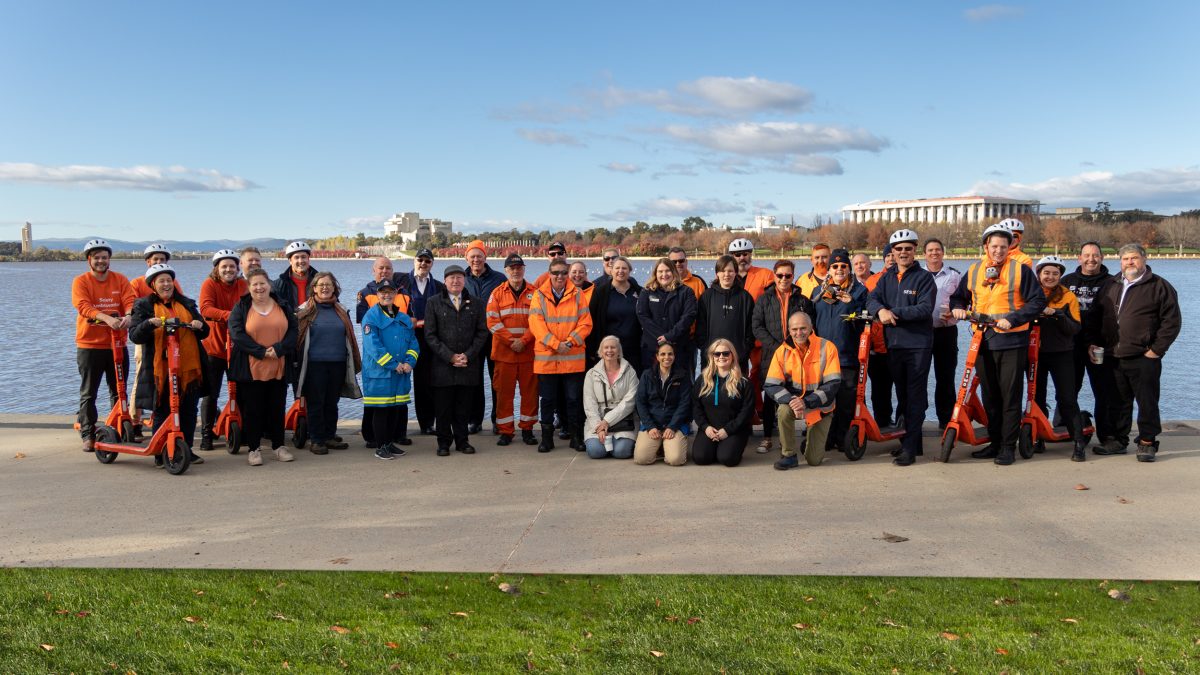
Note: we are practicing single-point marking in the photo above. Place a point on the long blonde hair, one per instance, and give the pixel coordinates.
(708, 376)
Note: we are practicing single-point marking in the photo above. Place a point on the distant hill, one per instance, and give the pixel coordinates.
(121, 246)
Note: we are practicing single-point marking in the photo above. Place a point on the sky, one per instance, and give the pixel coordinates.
(176, 120)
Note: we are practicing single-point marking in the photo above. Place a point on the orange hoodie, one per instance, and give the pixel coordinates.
(217, 299)
(91, 297)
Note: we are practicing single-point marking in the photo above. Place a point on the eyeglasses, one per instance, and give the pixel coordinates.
(722, 355)
(903, 249)
(783, 276)
(742, 254)
(558, 274)
(839, 266)
(323, 286)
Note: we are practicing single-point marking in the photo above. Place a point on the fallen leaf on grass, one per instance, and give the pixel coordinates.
(893, 624)
(808, 598)
(587, 634)
(281, 617)
(287, 666)
(46, 647)
(801, 626)
(657, 655)
(340, 561)
(509, 588)
(391, 645)
(19, 455)
(1081, 486)
(670, 619)
(694, 620)
(62, 611)
(83, 614)
(461, 615)
(1117, 594)
(1122, 500)
(1002, 652)
(1069, 620)
(395, 595)
(192, 619)
(892, 538)
(198, 592)
(949, 636)
(1004, 601)
(340, 630)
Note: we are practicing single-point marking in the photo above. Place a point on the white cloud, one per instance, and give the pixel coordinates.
(675, 170)
(993, 12)
(669, 206)
(357, 223)
(153, 178)
(550, 137)
(1167, 189)
(749, 94)
(620, 167)
(777, 138)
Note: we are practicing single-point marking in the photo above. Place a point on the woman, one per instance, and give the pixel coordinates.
(726, 311)
(610, 404)
(667, 311)
(263, 332)
(329, 361)
(664, 405)
(841, 294)
(722, 406)
(614, 312)
(389, 355)
(154, 389)
(1056, 357)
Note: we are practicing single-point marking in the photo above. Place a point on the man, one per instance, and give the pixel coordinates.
(1018, 232)
(861, 262)
(819, 272)
(839, 296)
(291, 287)
(219, 293)
(1088, 282)
(679, 259)
(556, 251)
(481, 281)
(103, 300)
(903, 301)
(154, 254)
(560, 323)
(803, 380)
(754, 279)
(1009, 294)
(1140, 319)
(456, 331)
(945, 331)
(420, 287)
(607, 255)
(878, 369)
(367, 298)
(251, 258)
(512, 352)
(769, 322)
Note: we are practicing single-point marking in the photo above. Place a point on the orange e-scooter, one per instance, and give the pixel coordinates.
(229, 422)
(968, 409)
(1036, 428)
(863, 427)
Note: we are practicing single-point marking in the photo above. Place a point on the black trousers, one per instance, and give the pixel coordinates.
(844, 412)
(423, 393)
(479, 403)
(262, 404)
(1103, 383)
(880, 374)
(389, 423)
(1137, 378)
(1061, 367)
(1001, 380)
(770, 420)
(910, 372)
(188, 403)
(208, 404)
(567, 388)
(322, 388)
(453, 406)
(945, 372)
(94, 364)
(728, 452)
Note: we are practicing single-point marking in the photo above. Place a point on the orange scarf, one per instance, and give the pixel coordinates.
(189, 351)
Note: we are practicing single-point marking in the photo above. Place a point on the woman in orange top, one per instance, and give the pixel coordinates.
(264, 341)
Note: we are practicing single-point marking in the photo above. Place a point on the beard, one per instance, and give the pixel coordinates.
(1132, 273)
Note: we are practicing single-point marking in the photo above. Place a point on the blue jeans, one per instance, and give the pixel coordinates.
(622, 448)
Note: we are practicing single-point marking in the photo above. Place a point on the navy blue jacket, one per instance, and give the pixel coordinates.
(405, 283)
(911, 300)
(482, 286)
(664, 406)
(667, 313)
(830, 325)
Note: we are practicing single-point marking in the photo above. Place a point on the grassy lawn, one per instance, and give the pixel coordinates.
(152, 621)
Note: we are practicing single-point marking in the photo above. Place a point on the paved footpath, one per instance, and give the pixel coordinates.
(511, 509)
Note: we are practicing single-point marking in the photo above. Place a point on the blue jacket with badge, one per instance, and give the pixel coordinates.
(387, 342)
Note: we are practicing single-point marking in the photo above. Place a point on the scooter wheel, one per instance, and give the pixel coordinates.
(181, 460)
(233, 440)
(948, 444)
(853, 449)
(1025, 441)
(106, 434)
(127, 431)
(300, 437)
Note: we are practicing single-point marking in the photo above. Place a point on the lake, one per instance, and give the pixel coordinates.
(40, 375)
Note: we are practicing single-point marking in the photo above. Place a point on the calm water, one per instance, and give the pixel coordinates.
(39, 374)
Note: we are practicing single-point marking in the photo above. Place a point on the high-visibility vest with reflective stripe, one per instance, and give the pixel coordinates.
(508, 319)
(1000, 298)
(401, 302)
(818, 366)
(552, 324)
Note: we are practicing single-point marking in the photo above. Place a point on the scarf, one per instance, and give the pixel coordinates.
(189, 351)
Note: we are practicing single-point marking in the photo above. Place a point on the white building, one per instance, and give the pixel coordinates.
(963, 210)
(409, 225)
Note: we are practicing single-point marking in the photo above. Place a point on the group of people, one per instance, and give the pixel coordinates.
(669, 369)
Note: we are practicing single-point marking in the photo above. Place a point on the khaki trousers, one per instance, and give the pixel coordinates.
(645, 449)
(814, 443)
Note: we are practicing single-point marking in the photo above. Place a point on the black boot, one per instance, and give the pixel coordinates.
(1080, 452)
(1005, 456)
(988, 452)
(206, 438)
(528, 438)
(206, 426)
(577, 438)
(547, 443)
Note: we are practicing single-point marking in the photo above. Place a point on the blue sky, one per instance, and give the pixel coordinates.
(200, 120)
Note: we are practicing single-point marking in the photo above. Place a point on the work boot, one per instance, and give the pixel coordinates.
(336, 443)
(1005, 456)
(318, 449)
(1080, 452)
(577, 440)
(505, 439)
(89, 445)
(904, 459)
(988, 452)
(1146, 450)
(787, 462)
(443, 451)
(528, 438)
(547, 443)
(1110, 446)
(403, 440)
(474, 428)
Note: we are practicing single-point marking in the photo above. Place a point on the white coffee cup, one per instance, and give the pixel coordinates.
(1097, 355)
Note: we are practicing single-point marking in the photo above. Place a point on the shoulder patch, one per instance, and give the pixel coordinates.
(366, 329)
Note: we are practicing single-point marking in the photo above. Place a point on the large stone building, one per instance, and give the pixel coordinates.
(961, 210)
(409, 225)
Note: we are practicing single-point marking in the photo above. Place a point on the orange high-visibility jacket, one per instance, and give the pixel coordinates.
(817, 370)
(554, 323)
(508, 319)
(998, 299)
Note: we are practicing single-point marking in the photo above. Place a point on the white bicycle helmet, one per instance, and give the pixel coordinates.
(903, 235)
(1012, 224)
(1051, 260)
(155, 270)
(96, 245)
(998, 228)
(296, 247)
(224, 254)
(739, 245)
(156, 248)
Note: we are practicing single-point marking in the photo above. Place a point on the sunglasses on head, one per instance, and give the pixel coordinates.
(722, 355)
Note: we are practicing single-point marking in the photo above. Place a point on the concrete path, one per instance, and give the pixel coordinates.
(513, 510)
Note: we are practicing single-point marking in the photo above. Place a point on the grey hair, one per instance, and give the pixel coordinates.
(1132, 248)
(614, 338)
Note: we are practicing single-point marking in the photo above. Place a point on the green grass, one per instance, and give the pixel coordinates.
(151, 621)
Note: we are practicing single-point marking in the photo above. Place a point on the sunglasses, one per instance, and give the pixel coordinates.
(558, 274)
(424, 261)
(783, 276)
(903, 249)
(608, 258)
(742, 254)
(555, 254)
(722, 355)
(839, 266)
(679, 262)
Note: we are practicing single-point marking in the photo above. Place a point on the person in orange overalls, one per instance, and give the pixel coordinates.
(512, 352)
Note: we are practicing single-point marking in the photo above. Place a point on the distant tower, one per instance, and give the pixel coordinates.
(27, 238)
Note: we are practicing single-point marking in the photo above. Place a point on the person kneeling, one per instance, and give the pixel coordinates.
(664, 401)
(609, 404)
(803, 380)
(722, 404)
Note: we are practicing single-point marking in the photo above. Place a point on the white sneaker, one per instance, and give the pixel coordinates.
(764, 447)
(255, 458)
(282, 455)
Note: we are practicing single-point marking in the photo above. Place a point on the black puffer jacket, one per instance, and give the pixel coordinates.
(450, 331)
(142, 333)
(729, 314)
(769, 329)
(244, 346)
